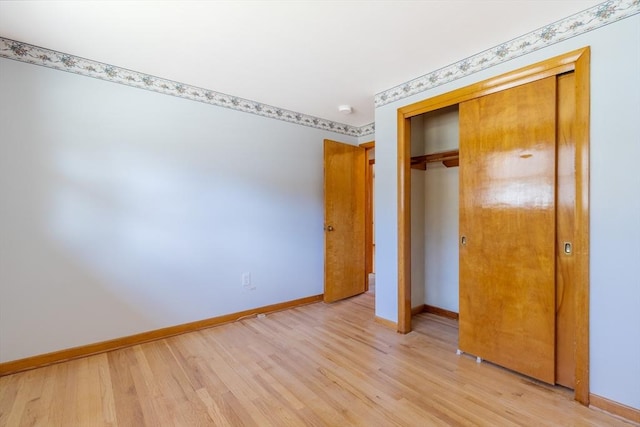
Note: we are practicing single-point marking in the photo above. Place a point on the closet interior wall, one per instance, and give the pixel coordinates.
(434, 213)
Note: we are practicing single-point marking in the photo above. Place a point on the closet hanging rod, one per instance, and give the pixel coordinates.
(448, 158)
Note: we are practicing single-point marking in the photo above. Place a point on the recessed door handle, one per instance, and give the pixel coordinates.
(463, 240)
(568, 248)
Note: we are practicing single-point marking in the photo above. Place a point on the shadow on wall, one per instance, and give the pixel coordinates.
(125, 210)
(163, 231)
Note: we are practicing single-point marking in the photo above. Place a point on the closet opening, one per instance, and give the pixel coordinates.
(434, 212)
(570, 125)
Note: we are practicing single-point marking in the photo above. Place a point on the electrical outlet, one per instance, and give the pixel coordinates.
(246, 282)
(246, 279)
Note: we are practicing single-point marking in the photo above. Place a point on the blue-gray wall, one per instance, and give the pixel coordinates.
(124, 210)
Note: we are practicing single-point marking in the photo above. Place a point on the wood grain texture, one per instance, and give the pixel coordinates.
(404, 224)
(369, 216)
(386, 323)
(369, 213)
(344, 207)
(317, 365)
(508, 217)
(367, 145)
(581, 249)
(441, 312)
(448, 158)
(579, 62)
(104, 346)
(417, 309)
(624, 411)
(550, 67)
(565, 214)
(451, 163)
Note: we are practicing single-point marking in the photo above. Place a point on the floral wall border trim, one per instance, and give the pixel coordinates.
(580, 23)
(24, 52)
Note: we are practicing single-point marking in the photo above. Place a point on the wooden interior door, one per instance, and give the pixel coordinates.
(507, 228)
(344, 235)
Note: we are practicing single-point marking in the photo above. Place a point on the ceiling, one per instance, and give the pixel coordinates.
(305, 56)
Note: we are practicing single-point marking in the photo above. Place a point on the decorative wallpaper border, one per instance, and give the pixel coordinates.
(580, 23)
(31, 54)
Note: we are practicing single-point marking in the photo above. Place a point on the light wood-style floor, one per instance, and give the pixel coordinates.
(317, 365)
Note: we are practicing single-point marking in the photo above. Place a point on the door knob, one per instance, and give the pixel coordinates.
(329, 228)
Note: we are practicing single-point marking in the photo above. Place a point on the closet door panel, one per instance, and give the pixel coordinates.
(507, 228)
(566, 292)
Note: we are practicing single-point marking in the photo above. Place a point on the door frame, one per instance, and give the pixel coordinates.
(577, 61)
(368, 212)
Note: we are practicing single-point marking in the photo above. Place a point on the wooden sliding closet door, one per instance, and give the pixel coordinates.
(507, 228)
(566, 286)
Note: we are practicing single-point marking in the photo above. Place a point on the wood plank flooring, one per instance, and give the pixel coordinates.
(317, 365)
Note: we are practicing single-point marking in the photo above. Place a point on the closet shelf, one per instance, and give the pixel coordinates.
(448, 158)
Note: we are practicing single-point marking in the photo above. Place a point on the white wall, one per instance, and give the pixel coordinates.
(434, 213)
(441, 237)
(614, 201)
(440, 132)
(124, 210)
